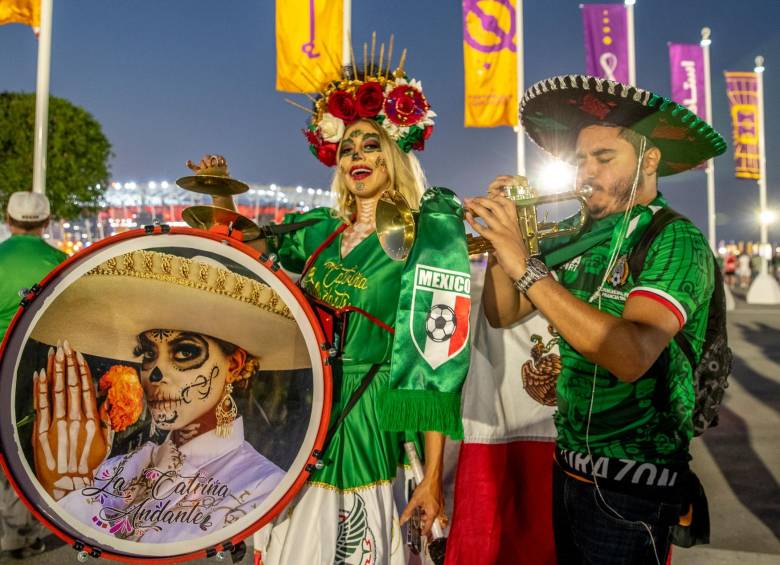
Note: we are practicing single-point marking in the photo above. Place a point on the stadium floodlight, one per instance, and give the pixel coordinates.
(164, 184)
(151, 184)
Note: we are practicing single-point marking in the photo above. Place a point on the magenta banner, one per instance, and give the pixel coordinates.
(606, 41)
(687, 64)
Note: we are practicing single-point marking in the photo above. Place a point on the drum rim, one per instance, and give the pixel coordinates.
(327, 393)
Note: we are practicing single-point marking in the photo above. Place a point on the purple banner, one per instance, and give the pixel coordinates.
(606, 41)
(687, 64)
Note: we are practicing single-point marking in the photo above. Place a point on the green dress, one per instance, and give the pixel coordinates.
(346, 513)
(359, 454)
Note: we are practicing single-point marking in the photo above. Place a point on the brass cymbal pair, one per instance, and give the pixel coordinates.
(205, 217)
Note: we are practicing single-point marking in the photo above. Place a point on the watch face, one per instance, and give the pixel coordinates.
(538, 265)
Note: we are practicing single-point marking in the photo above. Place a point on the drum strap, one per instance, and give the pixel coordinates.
(353, 399)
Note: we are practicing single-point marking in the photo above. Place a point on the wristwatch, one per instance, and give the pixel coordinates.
(535, 269)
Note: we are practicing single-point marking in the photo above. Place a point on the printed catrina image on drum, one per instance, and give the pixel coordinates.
(164, 394)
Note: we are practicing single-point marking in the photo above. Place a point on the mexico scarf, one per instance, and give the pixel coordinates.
(431, 346)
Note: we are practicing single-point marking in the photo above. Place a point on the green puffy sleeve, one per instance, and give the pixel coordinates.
(294, 248)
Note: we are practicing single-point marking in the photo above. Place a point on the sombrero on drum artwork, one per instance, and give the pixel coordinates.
(103, 311)
(554, 110)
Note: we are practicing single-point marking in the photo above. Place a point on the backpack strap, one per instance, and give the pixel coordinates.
(636, 262)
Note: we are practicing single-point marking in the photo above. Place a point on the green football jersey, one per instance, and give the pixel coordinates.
(648, 420)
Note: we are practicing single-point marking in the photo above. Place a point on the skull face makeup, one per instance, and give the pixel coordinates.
(362, 160)
(184, 376)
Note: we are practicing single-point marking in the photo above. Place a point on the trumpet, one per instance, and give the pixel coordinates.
(526, 200)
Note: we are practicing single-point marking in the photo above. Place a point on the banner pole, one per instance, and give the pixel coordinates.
(764, 288)
(762, 159)
(520, 42)
(710, 170)
(346, 35)
(42, 98)
(631, 47)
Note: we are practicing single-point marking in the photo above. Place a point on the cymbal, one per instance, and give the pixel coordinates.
(395, 226)
(212, 184)
(204, 217)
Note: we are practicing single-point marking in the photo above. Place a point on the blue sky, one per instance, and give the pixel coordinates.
(170, 80)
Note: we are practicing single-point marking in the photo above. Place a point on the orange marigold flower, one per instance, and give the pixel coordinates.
(124, 401)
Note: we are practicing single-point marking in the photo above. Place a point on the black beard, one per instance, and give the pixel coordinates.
(619, 193)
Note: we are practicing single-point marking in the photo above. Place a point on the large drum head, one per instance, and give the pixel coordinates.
(162, 396)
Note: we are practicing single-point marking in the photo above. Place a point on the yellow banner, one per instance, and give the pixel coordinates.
(742, 90)
(26, 12)
(308, 43)
(490, 45)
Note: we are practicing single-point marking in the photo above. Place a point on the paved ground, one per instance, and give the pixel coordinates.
(738, 462)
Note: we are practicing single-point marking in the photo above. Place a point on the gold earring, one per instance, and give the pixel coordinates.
(226, 413)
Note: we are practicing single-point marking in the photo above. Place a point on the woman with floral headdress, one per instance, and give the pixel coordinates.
(366, 127)
(201, 475)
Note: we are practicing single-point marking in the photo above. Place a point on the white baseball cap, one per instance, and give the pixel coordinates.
(28, 207)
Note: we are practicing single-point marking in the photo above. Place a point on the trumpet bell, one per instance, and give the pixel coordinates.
(395, 226)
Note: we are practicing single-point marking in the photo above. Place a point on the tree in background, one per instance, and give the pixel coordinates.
(77, 157)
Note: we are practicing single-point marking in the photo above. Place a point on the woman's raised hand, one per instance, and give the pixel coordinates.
(69, 440)
(210, 165)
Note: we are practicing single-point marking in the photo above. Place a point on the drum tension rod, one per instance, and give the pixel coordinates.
(164, 228)
(29, 295)
(82, 555)
(237, 551)
(311, 467)
(272, 258)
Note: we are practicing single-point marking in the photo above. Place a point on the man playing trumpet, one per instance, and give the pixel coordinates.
(625, 391)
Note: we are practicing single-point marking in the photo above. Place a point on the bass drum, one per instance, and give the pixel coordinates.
(163, 395)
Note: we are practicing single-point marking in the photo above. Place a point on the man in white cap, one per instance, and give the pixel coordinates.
(25, 258)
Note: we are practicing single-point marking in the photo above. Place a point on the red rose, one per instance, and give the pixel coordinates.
(405, 105)
(342, 105)
(427, 131)
(312, 137)
(326, 153)
(369, 99)
(419, 145)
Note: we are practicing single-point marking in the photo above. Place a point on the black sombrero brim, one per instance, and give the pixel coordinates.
(554, 110)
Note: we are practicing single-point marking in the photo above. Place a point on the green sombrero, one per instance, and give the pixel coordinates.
(554, 110)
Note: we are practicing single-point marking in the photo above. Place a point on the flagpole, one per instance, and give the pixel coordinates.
(42, 98)
(631, 49)
(519, 40)
(765, 288)
(762, 156)
(705, 45)
(346, 36)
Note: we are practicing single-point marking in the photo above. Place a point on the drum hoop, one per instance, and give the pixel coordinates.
(327, 394)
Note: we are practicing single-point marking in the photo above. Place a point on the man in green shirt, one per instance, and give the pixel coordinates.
(625, 391)
(25, 258)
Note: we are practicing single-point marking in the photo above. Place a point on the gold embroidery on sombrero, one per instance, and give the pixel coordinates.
(177, 270)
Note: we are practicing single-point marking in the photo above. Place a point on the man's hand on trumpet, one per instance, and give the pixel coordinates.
(499, 225)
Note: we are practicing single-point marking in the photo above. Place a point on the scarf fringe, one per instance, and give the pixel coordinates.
(420, 411)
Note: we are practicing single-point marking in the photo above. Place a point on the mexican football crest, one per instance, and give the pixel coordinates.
(441, 303)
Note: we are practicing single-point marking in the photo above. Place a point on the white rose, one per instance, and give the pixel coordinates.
(331, 128)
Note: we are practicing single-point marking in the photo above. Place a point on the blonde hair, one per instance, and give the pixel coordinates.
(406, 177)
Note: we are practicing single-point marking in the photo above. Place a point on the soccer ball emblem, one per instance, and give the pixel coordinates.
(441, 323)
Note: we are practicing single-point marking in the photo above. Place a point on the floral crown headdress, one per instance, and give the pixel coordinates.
(390, 99)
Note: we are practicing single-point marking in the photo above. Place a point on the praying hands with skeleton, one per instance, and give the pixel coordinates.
(69, 439)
